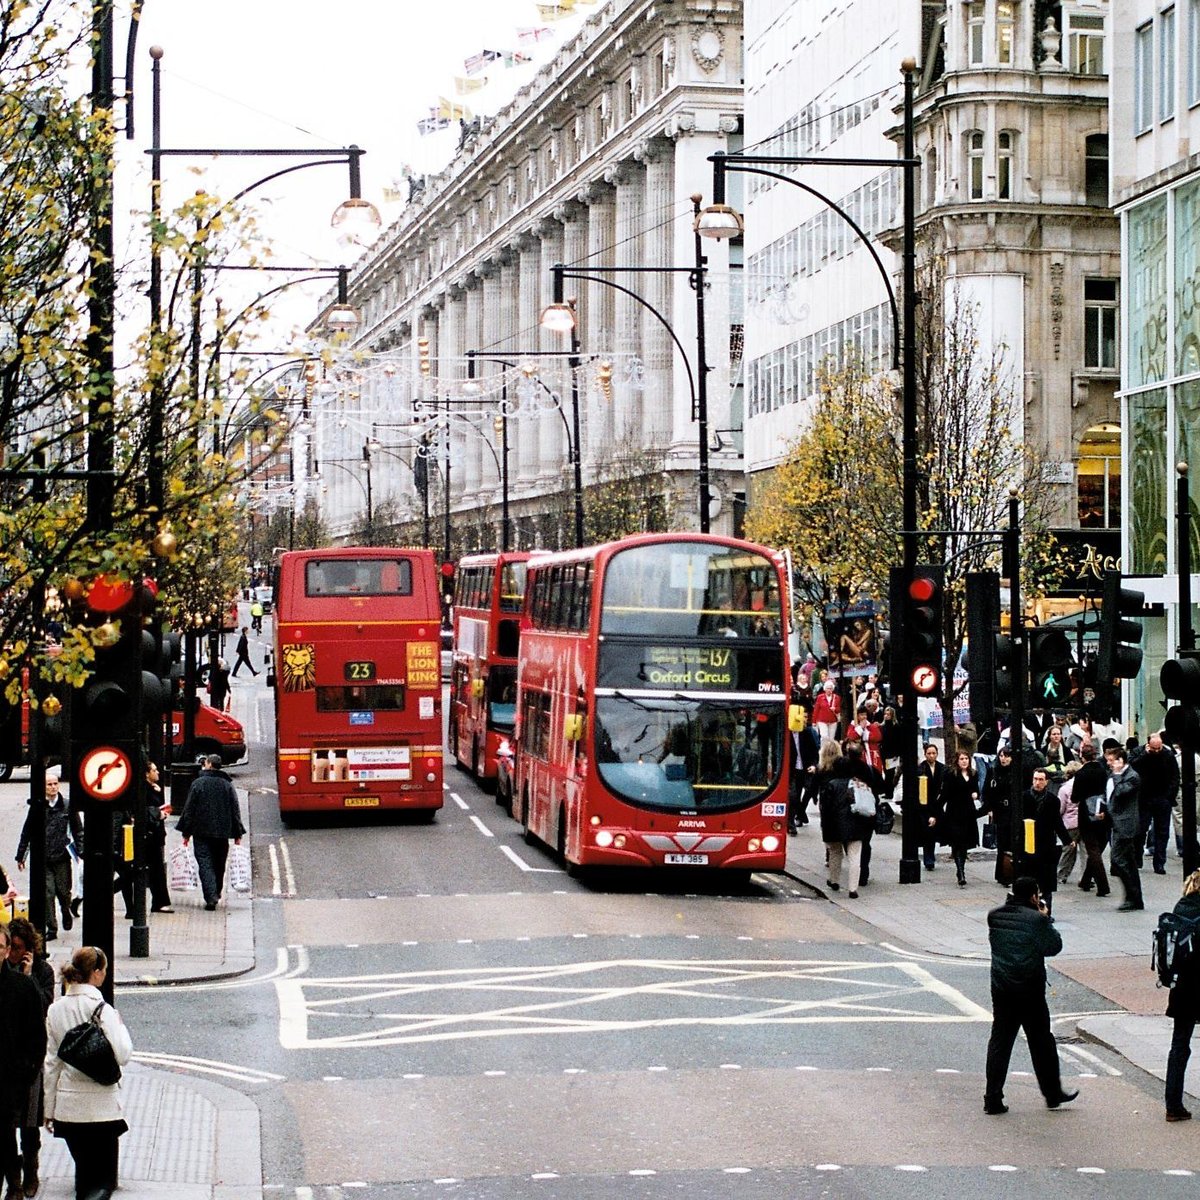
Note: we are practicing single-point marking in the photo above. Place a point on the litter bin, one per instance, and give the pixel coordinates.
(182, 774)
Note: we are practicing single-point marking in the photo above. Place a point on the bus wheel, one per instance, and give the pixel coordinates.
(6, 770)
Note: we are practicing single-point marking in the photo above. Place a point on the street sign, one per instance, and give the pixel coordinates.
(105, 772)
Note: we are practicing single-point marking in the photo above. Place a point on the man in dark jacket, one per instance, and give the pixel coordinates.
(22, 1049)
(931, 774)
(1041, 805)
(1121, 800)
(1183, 1007)
(211, 816)
(1159, 772)
(1021, 938)
(1091, 782)
(62, 827)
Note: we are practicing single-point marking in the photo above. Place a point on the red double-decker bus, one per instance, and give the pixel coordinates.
(489, 598)
(358, 680)
(653, 704)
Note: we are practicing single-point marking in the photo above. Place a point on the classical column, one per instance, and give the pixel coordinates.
(491, 333)
(553, 463)
(450, 349)
(629, 179)
(529, 296)
(658, 156)
(474, 472)
(596, 333)
(506, 339)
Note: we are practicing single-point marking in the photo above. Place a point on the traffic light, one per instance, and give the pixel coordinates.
(983, 619)
(1180, 680)
(923, 630)
(1002, 673)
(1050, 665)
(1118, 656)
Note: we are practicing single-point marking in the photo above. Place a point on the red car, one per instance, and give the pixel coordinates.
(216, 733)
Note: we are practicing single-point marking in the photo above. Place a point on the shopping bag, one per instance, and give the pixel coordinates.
(76, 870)
(989, 835)
(239, 868)
(182, 873)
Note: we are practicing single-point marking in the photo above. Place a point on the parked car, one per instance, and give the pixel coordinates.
(266, 597)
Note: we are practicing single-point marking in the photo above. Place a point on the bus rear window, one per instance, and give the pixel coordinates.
(384, 697)
(358, 577)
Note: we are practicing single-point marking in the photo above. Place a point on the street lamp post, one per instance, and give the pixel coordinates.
(720, 221)
(560, 317)
(366, 454)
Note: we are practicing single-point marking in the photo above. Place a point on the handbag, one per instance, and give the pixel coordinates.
(86, 1048)
(989, 835)
(885, 818)
(862, 802)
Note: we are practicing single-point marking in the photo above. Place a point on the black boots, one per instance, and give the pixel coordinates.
(30, 1181)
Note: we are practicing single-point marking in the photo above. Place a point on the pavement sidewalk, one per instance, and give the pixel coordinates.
(189, 1138)
(1106, 950)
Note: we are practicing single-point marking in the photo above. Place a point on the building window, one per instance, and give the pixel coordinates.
(1006, 21)
(1098, 476)
(975, 164)
(1143, 78)
(1085, 43)
(975, 18)
(1096, 169)
(1006, 142)
(1193, 53)
(930, 167)
(1166, 64)
(1100, 324)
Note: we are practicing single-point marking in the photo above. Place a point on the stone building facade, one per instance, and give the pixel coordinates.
(592, 165)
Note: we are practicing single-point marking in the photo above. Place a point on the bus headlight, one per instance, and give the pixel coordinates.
(753, 844)
(770, 842)
(604, 838)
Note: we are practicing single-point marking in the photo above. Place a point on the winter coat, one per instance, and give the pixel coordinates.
(1067, 807)
(1090, 780)
(62, 826)
(892, 740)
(937, 778)
(1159, 772)
(70, 1094)
(956, 824)
(827, 708)
(211, 809)
(997, 794)
(22, 1041)
(1022, 938)
(1123, 803)
(1048, 828)
(1184, 999)
(870, 736)
(834, 801)
(1056, 761)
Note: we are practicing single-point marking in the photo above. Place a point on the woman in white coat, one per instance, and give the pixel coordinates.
(86, 1114)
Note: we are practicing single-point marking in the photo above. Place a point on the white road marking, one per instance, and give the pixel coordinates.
(280, 971)
(1089, 1058)
(276, 884)
(459, 801)
(581, 998)
(207, 1066)
(827, 1167)
(289, 876)
(964, 960)
(510, 853)
(1002, 1167)
(481, 826)
(1180, 1171)
(1090, 1171)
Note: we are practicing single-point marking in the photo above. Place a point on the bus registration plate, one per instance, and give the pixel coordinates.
(686, 860)
(360, 802)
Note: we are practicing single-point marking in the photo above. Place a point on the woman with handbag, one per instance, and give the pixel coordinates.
(840, 829)
(86, 1114)
(158, 809)
(996, 795)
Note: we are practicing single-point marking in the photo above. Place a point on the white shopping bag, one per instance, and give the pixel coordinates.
(239, 868)
(183, 875)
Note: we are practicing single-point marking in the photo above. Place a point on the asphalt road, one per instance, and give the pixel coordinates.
(440, 1011)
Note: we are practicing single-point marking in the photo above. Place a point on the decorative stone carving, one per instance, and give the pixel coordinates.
(681, 124)
(1051, 40)
(1057, 271)
(708, 47)
(620, 172)
(728, 122)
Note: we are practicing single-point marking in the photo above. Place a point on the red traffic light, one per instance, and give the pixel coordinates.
(922, 589)
(447, 569)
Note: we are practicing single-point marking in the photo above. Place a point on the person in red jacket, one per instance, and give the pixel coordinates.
(827, 712)
(869, 734)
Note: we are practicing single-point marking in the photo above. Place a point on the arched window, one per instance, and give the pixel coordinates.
(974, 139)
(1006, 152)
(1099, 477)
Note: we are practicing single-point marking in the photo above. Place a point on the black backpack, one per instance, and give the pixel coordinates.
(1176, 942)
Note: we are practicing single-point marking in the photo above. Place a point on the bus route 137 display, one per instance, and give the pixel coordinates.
(689, 669)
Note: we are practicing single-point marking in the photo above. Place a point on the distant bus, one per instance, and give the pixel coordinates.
(357, 681)
(489, 596)
(653, 704)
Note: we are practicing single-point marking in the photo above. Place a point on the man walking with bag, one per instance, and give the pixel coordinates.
(1121, 800)
(211, 816)
(63, 827)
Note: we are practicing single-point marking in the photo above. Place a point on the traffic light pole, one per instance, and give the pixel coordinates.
(1016, 728)
(1187, 645)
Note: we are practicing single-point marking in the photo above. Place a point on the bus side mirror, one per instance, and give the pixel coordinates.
(797, 718)
(476, 688)
(573, 727)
